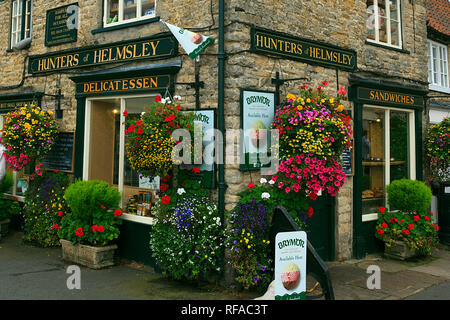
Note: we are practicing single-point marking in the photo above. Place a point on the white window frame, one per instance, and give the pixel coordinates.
(387, 156)
(120, 21)
(87, 143)
(442, 68)
(20, 9)
(387, 17)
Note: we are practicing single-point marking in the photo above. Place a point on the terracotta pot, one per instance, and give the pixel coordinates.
(89, 256)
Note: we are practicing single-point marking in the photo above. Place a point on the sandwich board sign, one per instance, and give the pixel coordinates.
(290, 265)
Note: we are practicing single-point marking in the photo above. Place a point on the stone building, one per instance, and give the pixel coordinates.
(377, 52)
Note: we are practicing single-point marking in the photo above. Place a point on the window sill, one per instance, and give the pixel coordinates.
(387, 47)
(439, 88)
(125, 25)
(137, 219)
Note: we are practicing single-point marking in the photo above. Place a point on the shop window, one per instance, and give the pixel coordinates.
(384, 22)
(438, 66)
(20, 21)
(388, 153)
(124, 11)
(105, 153)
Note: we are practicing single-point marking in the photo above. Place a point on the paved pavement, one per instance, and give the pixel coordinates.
(28, 272)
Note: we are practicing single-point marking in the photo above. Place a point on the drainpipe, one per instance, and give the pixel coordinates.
(221, 112)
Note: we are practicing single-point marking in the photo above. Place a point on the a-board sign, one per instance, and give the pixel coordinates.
(290, 265)
(62, 154)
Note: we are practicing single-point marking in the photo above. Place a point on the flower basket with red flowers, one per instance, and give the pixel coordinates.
(314, 131)
(28, 134)
(149, 142)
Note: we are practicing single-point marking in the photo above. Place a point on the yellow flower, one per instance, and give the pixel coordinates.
(340, 108)
(308, 100)
(291, 97)
(331, 100)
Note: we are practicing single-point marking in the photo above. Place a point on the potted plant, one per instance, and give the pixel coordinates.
(89, 228)
(407, 230)
(8, 208)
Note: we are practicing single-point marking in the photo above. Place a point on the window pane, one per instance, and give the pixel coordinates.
(22, 184)
(130, 9)
(435, 65)
(395, 39)
(399, 145)
(137, 189)
(148, 7)
(382, 30)
(373, 193)
(393, 8)
(430, 65)
(370, 20)
(112, 9)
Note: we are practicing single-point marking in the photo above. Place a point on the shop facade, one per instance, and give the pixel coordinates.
(119, 60)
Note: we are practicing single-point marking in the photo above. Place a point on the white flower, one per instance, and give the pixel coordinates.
(263, 180)
(271, 182)
(180, 191)
(265, 195)
(163, 101)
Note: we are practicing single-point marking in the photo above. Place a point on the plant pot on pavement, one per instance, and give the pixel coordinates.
(89, 256)
(398, 250)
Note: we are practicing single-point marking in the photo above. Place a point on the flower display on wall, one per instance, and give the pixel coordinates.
(28, 134)
(437, 148)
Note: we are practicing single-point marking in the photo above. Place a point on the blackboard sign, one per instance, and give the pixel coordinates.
(347, 161)
(62, 154)
(61, 25)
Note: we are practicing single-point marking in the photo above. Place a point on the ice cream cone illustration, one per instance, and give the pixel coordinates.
(290, 276)
(258, 134)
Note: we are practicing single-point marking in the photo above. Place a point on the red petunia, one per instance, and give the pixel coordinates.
(165, 200)
(164, 187)
(416, 218)
(178, 107)
(380, 231)
(406, 232)
(427, 218)
(94, 228)
(79, 232)
(384, 225)
(56, 171)
(169, 118)
(60, 213)
(140, 131)
(313, 196)
(195, 170)
(251, 185)
(101, 229)
(382, 209)
(158, 98)
(410, 226)
(118, 213)
(125, 113)
(55, 226)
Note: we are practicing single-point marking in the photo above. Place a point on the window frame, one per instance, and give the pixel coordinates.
(387, 18)
(438, 86)
(22, 21)
(121, 22)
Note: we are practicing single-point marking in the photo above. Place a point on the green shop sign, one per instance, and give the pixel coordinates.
(61, 25)
(162, 46)
(304, 50)
(384, 97)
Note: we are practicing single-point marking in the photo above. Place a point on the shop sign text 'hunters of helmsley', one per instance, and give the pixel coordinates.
(304, 50)
(155, 47)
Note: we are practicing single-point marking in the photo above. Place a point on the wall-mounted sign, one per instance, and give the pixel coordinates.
(129, 85)
(347, 161)
(162, 46)
(207, 176)
(257, 114)
(290, 265)
(378, 96)
(62, 154)
(309, 51)
(10, 102)
(61, 25)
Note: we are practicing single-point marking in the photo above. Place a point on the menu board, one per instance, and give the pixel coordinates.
(347, 161)
(61, 25)
(62, 154)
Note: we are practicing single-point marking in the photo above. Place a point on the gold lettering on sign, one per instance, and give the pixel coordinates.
(120, 85)
(391, 97)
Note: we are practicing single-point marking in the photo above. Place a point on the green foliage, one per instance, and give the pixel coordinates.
(409, 196)
(92, 218)
(9, 208)
(437, 148)
(44, 207)
(7, 182)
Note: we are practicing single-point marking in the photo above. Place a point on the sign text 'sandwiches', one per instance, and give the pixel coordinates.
(142, 83)
(388, 97)
(138, 49)
(304, 50)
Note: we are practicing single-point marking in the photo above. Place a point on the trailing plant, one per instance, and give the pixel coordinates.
(187, 238)
(28, 134)
(44, 207)
(93, 213)
(437, 148)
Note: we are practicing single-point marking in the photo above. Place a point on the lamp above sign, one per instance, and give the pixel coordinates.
(304, 50)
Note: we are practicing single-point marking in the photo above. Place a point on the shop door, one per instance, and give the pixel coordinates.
(388, 154)
(321, 226)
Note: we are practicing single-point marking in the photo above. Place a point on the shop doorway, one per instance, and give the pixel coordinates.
(388, 154)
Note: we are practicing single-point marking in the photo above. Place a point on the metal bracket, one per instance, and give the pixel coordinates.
(58, 110)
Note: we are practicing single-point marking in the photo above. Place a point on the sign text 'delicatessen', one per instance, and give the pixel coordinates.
(294, 48)
(155, 47)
